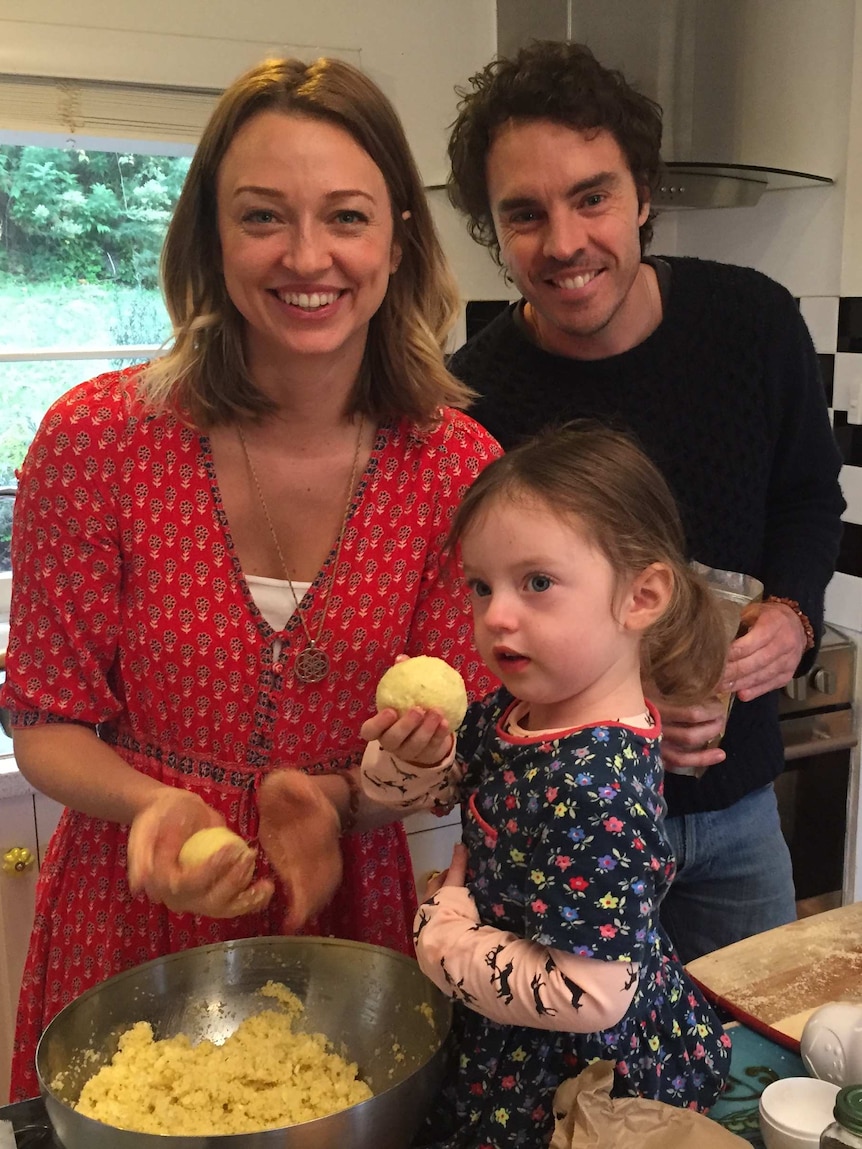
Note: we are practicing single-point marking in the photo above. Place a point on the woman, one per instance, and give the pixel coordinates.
(217, 556)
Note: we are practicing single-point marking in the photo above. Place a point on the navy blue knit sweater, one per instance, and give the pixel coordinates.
(725, 396)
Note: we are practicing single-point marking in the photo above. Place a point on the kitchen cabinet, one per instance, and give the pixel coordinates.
(431, 840)
(27, 821)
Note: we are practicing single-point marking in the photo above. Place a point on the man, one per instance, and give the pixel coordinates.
(712, 369)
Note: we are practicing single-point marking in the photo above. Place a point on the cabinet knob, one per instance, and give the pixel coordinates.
(823, 680)
(797, 689)
(17, 860)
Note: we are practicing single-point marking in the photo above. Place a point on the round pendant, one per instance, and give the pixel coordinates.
(312, 665)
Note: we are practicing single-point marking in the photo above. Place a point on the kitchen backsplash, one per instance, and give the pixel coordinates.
(836, 328)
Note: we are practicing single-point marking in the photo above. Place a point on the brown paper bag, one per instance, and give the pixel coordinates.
(587, 1117)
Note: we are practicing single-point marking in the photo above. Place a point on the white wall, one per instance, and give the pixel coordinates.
(851, 255)
(416, 50)
(791, 108)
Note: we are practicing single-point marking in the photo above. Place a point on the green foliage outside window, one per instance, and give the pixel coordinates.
(80, 236)
(75, 215)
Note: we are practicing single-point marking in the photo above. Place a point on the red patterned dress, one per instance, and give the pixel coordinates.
(130, 613)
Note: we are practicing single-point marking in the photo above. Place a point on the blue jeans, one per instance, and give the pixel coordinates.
(734, 875)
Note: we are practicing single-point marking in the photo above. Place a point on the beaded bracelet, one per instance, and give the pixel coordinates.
(348, 822)
(797, 610)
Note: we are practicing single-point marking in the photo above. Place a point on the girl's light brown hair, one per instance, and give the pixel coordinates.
(403, 374)
(602, 480)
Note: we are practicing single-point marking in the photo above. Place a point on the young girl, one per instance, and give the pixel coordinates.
(545, 928)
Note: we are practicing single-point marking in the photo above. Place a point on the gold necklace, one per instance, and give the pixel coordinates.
(312, 663)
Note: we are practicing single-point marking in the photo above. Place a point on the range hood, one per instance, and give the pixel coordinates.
(741, 84)
(685, 184)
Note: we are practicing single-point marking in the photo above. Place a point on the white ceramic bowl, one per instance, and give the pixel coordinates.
(831, 1044)
(795, 1111)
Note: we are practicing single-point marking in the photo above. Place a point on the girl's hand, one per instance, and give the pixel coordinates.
(420, 737)
(300, 832)
(456, 875)
(220, 887)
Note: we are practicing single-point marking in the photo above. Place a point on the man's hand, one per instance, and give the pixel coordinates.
(762, 659)
(220, 887)
(689, 734)
(767, 656)
(299, 831)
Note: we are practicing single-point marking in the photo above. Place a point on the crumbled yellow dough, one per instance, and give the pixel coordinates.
(262, 1077)
(427, 1012)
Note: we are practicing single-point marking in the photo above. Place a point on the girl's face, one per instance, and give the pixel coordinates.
(305, 224)
(550, 615)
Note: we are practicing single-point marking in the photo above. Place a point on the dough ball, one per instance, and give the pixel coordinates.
(427, 682)
(202, 845)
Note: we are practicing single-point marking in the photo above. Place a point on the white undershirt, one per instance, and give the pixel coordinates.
(275, 600)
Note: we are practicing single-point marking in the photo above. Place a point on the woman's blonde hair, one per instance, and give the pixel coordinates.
(403, 374)
(603, 480)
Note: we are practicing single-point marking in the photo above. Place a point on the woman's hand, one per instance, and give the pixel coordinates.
(420, 737)
(300, 831)
(220, 887)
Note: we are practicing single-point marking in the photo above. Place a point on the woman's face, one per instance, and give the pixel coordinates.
(305, 224)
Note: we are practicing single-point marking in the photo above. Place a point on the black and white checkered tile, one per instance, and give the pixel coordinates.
(836, 328)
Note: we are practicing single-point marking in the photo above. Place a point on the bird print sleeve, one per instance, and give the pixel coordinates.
(512, 980)
(391, 781)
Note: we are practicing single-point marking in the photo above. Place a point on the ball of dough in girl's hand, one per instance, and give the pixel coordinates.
(427, 682)
(202, 845)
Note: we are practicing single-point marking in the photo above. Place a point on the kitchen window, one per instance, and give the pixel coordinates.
(81, 230)
(89, 175)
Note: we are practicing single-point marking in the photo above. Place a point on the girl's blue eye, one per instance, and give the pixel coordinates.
(479, 589)
(540, 582)
(350, 216)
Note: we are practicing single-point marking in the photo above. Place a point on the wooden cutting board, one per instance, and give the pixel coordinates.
(775, 980)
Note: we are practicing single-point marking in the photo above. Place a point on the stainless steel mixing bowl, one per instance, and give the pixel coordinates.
(375, 1006)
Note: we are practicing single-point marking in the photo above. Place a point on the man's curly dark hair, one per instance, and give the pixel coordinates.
(559, 81)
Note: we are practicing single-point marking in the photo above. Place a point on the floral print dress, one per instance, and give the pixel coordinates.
(566, 849)
(131, 615)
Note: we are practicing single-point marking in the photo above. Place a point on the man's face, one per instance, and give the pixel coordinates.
(567, 216)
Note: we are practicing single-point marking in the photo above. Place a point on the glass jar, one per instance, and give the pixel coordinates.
(845, 1132)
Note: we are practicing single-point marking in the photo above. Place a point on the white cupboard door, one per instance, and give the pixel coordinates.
(431, 851)
(47, 816)
(18, 871)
